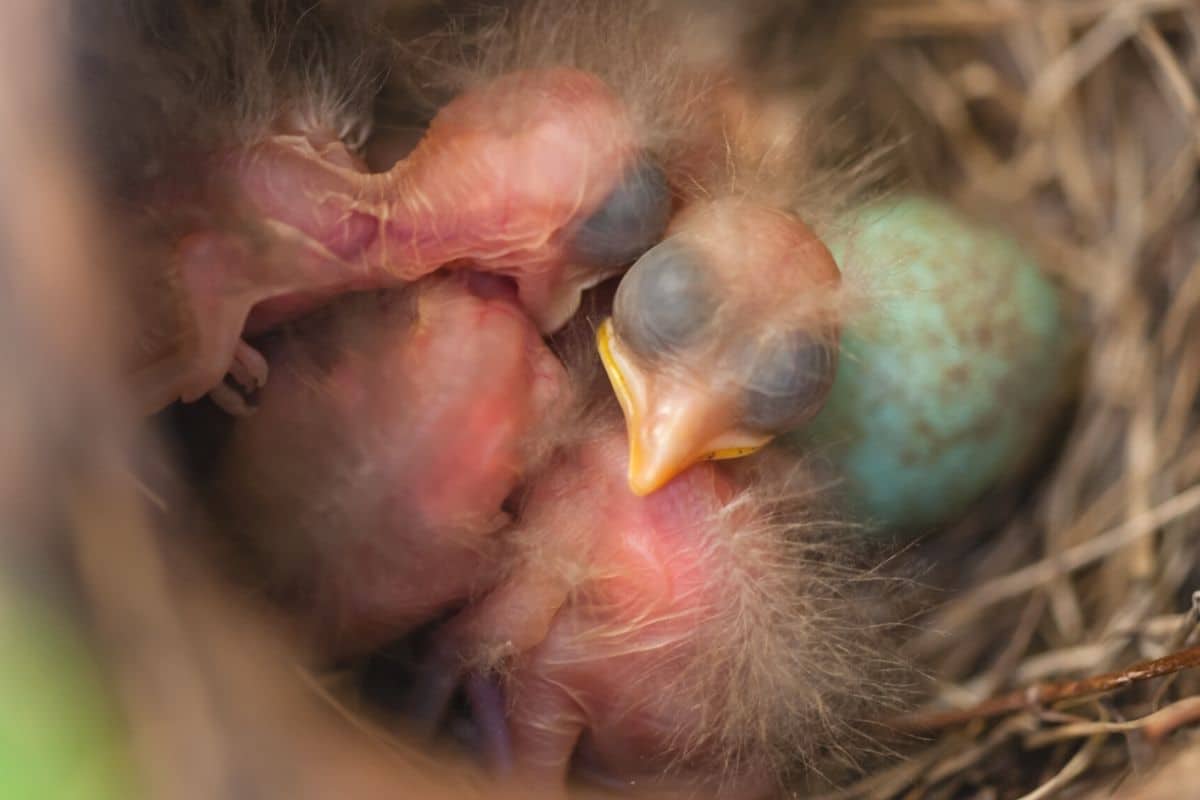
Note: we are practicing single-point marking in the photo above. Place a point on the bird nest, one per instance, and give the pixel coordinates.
(1059, 659)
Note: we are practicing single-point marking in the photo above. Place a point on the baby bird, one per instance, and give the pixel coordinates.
(424, 461)
(551, 168)
(725, 334)
(722, 336)
(537, 175)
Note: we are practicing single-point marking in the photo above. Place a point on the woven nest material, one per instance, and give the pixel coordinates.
(1060, 664)
(1059, 660)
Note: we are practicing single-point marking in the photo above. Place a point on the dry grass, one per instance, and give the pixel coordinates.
(1077, 121)
(1062, 662)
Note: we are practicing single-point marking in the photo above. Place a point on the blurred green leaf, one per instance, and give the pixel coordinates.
(60, 737)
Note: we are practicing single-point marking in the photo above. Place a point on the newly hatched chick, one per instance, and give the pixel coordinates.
(266, 210)
(722, 336)
(166, 91)
(725, 335)
(704, 639)
(409, 460)
(541, 172)
(700, 641)
(377, 473)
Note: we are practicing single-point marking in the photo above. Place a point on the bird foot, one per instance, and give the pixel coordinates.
(207, 355)
(247, 375)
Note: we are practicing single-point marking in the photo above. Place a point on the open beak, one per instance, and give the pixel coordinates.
(672, 424)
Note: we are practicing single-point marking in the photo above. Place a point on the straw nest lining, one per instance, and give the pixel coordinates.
(1079, 122)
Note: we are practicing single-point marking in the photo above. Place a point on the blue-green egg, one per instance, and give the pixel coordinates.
(950, 374)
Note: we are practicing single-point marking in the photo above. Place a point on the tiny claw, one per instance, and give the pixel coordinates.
(231, 401)
(249, 369)
(247, 375)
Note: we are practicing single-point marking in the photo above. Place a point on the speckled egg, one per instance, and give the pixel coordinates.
(952, 372)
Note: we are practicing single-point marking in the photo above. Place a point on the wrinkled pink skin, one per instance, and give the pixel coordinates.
(596, 625)
(375, 475)
(498, 183)
(386, 446)
(377, 471)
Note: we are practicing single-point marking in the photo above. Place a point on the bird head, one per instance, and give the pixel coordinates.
(723, 336)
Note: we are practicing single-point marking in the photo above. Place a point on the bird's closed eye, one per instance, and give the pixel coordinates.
(632, 218)
(665, 302)
(789, 379)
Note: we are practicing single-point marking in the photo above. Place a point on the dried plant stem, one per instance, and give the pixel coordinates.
(1155, 726)
(1071, 772)
(1044, 694)
(1089, 552)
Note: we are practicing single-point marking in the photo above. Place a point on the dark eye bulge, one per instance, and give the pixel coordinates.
(788, 383)
(665, 302)
(630, 221)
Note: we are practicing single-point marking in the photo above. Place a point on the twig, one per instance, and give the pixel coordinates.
(1063, 75)
(1181, 637)
(1074, 768)
(1155, 725)
(1021, 581)
(1043, 694)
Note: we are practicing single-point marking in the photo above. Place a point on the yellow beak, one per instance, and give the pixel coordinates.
(671, 423)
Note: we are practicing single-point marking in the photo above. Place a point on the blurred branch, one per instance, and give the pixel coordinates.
(1041, 695)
